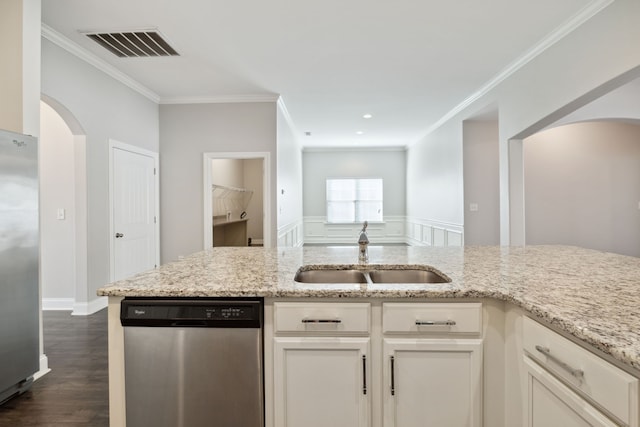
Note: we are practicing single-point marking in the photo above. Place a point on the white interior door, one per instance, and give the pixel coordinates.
(134, 216)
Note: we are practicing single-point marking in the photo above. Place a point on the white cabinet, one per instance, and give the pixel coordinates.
(426, 369)
(551, 403)
(432, 382)
(321, 382)
(322, 365)
(570, 386)
(432, 369)
(410, 364)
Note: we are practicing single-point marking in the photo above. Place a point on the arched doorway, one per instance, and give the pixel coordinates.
(63, 221)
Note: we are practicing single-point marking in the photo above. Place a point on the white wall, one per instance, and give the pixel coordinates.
(104, 108)
(582, 186)
(435, 189)
(319, 165)
(57, 237)
(481, 183)
(186, 132)
(227, 172)
(289, 186)
(434, 170)
(595, 58)
(621, 103)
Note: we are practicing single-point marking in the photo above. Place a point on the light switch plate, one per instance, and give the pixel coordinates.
(473, 207)
(60, 214)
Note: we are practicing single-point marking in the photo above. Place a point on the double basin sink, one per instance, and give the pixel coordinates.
(376, 274)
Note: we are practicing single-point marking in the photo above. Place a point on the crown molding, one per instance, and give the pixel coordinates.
(75, 49)
(555, 36)
(223, 99)
(287, 118)
(285, 113)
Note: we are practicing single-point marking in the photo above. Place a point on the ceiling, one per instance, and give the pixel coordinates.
(406, 62)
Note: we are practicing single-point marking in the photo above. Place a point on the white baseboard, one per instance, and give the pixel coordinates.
(44, 367)
(54, 304)
(85, 309)
(69, 304)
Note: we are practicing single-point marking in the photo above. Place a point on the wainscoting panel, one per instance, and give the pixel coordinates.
(454, 238)
(433, 233)
(290, 235)
(318, 231)
(439, 238)
(415, 232)
(427, 234)
(397, 229)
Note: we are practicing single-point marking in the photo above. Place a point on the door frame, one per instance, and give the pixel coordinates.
(113, 144)
(266, 189)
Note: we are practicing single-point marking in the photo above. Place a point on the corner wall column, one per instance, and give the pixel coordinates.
(512, 220)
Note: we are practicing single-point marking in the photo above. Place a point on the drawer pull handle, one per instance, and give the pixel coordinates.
(393, 376)
(578, 373)
(435, 322)
(321, 321)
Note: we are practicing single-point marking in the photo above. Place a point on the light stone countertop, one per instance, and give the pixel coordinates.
(592, 295)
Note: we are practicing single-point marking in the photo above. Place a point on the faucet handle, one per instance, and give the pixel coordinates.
(363, 235)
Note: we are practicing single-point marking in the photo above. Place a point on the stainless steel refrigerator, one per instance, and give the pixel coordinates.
(19, 255)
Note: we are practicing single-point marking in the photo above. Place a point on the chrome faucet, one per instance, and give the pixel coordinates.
(363, 243)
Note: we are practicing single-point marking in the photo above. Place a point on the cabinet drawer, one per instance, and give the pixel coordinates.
(424, 318)
(322, 317)
(609, 387)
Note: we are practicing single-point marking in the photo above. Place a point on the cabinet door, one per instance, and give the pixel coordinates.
(320, 382)
(432, 382)
(551, 403)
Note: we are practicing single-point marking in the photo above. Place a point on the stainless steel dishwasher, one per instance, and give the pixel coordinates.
(193, 362)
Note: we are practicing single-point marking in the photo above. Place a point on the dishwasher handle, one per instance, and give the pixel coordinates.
(189, 323)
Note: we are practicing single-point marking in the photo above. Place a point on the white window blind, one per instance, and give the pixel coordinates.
(354, 200)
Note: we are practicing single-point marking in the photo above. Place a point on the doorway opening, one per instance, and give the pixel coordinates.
(64, 211)
(236, 189)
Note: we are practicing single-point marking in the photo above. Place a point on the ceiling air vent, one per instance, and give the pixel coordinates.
(133, 44)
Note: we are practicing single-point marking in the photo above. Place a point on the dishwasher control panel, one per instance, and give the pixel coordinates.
(192, 313)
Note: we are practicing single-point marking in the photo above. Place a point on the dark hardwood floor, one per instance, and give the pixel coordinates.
(75, 392)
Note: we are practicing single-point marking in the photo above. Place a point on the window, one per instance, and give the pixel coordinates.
(354, 200)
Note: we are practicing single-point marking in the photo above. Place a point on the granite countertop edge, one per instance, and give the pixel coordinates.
(511, 275)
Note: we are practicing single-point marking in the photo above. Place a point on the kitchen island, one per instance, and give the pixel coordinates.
(588, 296)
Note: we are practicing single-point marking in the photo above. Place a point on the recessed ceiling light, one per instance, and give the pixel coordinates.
(359, 132)
(367, 116)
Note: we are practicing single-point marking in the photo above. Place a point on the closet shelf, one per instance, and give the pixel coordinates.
(229, 199)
